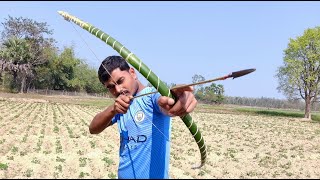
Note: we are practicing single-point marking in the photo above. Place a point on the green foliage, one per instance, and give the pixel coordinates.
(299, 77)
(16, 51)
(211, 94)
(108, 161)
(43, 77)
(29, 59)
(59, 159)
(112, 175)
(3, 166)
(14, 55)
(83, 161)
(62, 69)
(86, 79)
(69, 73)
(83, 174)
(23, 48)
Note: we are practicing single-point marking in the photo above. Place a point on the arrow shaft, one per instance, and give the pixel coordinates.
(201, 82)
(186, 85)
(233, 74)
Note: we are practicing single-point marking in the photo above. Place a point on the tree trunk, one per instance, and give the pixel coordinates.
(307, 113)
(13, 85)
(23, 84)
(3, 81)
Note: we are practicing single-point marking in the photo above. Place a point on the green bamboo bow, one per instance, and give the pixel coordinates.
(147, 73)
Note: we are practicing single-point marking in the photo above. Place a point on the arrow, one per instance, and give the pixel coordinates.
(233, 75)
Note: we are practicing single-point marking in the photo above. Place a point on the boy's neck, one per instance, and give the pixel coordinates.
(140, 87)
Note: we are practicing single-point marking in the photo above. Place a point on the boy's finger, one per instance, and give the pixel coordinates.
(163, 101)
(180, 90)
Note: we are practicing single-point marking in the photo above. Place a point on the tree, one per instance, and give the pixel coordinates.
(211, 94)
(14, 55)
(62, 72)
(299, 77)
(214, 93)
(197, 78)
(24, 47)
(86, 79)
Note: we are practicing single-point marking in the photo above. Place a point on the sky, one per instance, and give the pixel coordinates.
(178, 40)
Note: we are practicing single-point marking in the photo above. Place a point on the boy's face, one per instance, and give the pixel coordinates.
(122, 82)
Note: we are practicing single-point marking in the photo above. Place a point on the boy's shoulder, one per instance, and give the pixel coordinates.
(147, 89)
(153, 96)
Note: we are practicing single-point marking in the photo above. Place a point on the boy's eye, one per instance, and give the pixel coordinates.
(110, 86)
(120, 81)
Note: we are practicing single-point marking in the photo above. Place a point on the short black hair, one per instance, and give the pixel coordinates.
(111, 63)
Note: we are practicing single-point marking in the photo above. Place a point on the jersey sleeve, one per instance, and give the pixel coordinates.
(115, 119)
(154, 99)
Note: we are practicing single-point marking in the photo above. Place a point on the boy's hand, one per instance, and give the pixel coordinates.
(186, 102)
(121, 104)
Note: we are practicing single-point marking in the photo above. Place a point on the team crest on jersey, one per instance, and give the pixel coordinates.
(139, 116)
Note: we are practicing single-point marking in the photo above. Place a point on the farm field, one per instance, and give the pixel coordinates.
(48, 137)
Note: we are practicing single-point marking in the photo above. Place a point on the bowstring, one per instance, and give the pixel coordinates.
(94, 54)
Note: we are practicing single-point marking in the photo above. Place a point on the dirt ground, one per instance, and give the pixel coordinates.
(42, 138)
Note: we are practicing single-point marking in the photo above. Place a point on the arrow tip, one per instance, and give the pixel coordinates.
(242, 72)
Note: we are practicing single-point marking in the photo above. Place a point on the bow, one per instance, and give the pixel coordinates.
(147, 73)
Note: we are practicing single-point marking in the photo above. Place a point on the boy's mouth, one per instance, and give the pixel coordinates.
(126, 92)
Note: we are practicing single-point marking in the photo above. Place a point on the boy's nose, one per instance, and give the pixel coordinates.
(118, 88)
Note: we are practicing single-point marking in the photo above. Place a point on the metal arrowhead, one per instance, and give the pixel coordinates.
(242, 73)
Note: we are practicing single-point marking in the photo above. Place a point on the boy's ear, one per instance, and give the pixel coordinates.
(133, 73)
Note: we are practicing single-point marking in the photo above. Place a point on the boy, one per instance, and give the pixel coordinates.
(144, 123)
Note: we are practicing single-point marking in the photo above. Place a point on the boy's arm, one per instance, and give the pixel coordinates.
(104, 119)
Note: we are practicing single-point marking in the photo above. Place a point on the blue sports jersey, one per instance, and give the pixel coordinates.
(144, 139)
